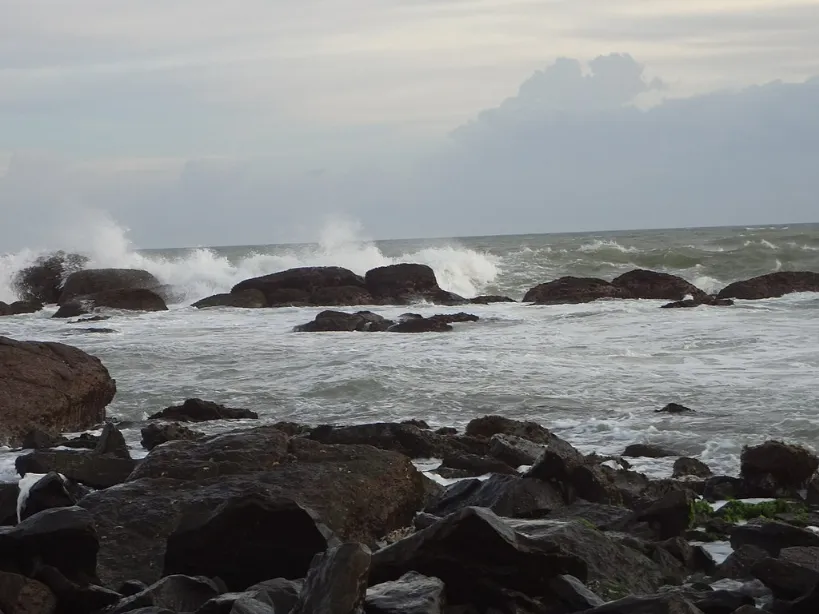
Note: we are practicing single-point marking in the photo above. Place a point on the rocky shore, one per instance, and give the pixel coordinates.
(297, 518)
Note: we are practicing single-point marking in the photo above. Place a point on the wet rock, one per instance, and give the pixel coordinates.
(112, 443)
(422, 325)
(724, 487)
(247, 540)
(244, 299)
(514, 451)
(772, 536)
(90, 319)
(42, 281)
(647, 450)
(690, 466)
(721, 601)
(297, 285)
(177, 593)
(72, 597)
(328, 321)
(37, 439)
(772, 285)
(72, 309)
(402, 284)
(197, 410)
(89, 468)
(506, 495)
(710, 301)
(487, 426)
(341, 295)
(474, 465)
(21, 595)
(421, 424)
(134, 299)
(84, 441)
(599, 515)
(675, 408)
(446, 430)
(668, 516)
(777, 469)
(51, 387)
(489, 299)
(336, 582)
(155, 434)
(9, 492)
(695, 558)
(654, 604)
(570, 290)
(19, 307)
(63, 538)
(786, 580)
(412, 593)
(268, 597)
(644, 284)
(93, 281)
(48, 492)
(740, 562)
(451, 318)
(574, 593)
(360, 492)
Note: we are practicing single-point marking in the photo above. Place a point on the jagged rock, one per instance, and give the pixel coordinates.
(338, 321)
(341, 295)
(112, 443)
(155, 434)
(777, 469)
(787, 580)
(402, 284)
(644, 284)
(247, 540)
(674, 408)
(19, 308)
(131, 587)
(177, 593)
(669, 603)
(51, 387)
(600, 515)
(711, 301)
(684, 466)
(514, 451)
(197, 410)
(21, 595)
(487, 426)
(772, 285)
(739, 563)
(412, 593)
(48, 492)
(279, 595)
(89, 468)
(336, 582)
(723, 487)
(772, 536)
(668, 516)
(570, 290)
(574, 593)
(505, 495)
(647, 450)
(244, 299)
(93, 281)
(451, 318)
(474, 465)
(72, 597)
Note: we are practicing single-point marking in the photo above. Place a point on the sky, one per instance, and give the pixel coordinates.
(202, 122)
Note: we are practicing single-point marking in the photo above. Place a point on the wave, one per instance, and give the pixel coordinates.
(599, 245)
(199, 272)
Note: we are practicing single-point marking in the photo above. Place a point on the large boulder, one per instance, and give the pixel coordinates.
(42, 281)
(360, 492)
(19, 307)
(158, 433)
(402, 284)
(246, 540)
(295, 286)
(412, 593)
(94, 281)
(644, 284)
(50, 386)
(487, 426)
(772, 536)
(128, 299)
(197, 410)
(777, 469)
(338, 321)
(772, 285)
(244, 299)
(570, 290)
(336, 582)
(21, 595)
(86, 467)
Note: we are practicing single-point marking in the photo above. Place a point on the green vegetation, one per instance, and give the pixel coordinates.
(736, 511)
(609, 590)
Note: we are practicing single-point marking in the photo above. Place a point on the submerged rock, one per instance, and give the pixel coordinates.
(19, 307)
(129, 299)
(489, 299)
(674, 408)
(569, 290)
(50, 386)
(197, 410)
(648, 450)
(420, 325)
(363, 321)
(711, 301)
(244, 299)
(772, 285)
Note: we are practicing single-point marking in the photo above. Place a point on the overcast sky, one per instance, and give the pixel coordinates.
(201, 122)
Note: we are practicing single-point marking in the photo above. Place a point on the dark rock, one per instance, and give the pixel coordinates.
(42, 281)
(155, 434)
(668, 603)
(644, 284)
(448, 430)
(491, 298)
(421, 424)
(245, 299)
(137, 299)
(287, 297)
(47, 493)
(94, 470)
(94, 281)
(514, 451)
(197, 410)
(724, 487)
(402, 284)
(51, 387)
(72, 597)
(282, 593)
(487, 426)
(247, 540)
(336, 582)
(21, 595)
(722, 601)
(695, 558)
(647, 450)
(777, 469)
(574, 593)
(304, 281)
(772, 285)
(424, 325)
(131, 587)
(475, 465)
(63, 538)
(451, 318)
(740, 562)
(36, 439)
(72, 309)
(786, 580)
(599, 515)
(772, 536)
(85, 441)
(112, 443)
(96, 331)
(690, 466)
(360, 492)
(329, 321)
(674, 408)
(19, 308)
(341, 295)
(268, 597)
(412, 593)
(668, 516)
(90, 319)
(177, 593)
(570, 290)
(505, 495)
(9, 492)
(711, 301)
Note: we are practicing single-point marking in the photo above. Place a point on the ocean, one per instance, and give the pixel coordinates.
(593, 373)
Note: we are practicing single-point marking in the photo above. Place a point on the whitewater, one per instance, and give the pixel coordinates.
(593, 373)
